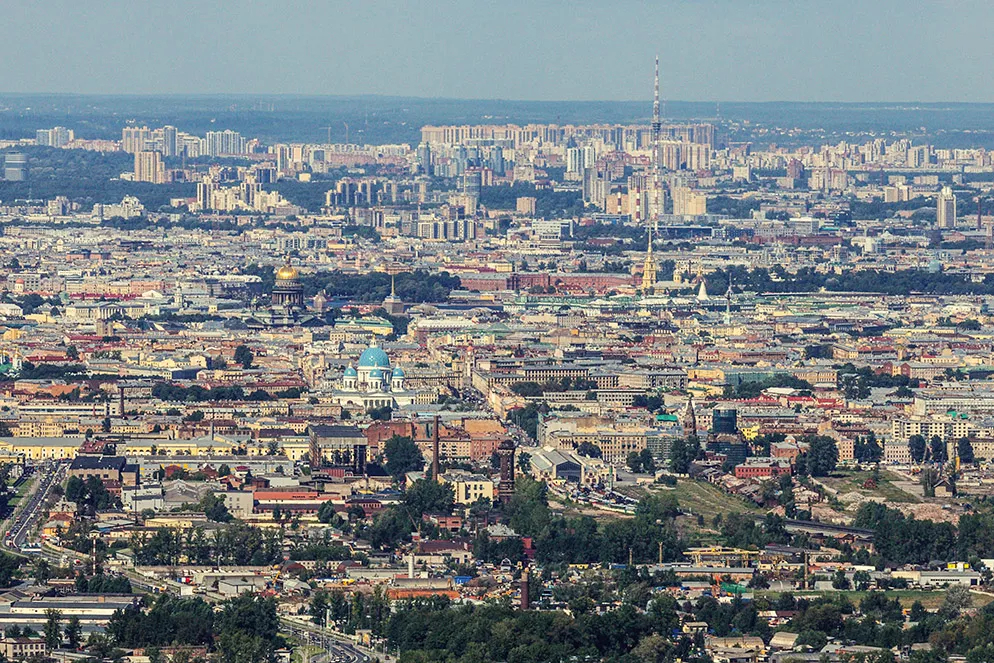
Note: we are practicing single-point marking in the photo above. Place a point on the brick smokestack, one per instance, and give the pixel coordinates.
(434, 450)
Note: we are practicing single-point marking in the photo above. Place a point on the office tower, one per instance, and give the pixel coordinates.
(15, 167)
(945, 213)
(133, 139)
(149, 167)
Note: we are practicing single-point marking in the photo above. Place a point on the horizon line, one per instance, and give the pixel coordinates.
(648, 101)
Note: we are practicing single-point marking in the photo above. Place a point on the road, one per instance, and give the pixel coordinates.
(49, 475)
(338, 648)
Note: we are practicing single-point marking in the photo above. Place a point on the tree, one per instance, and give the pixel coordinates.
(380, 413)
(867, 449)
(213, 506)
(403, 456)
(427, 496)
(53, 629)
(43, 570)
(648, 462)
(634, 462)
(822, 455)
(590, 450)
(862, 580)
(958, 598)
(524, 462)
(916, 447)
(73, 632)
(318, 608)
(532, 389)
(327, 513)
(937, 450)
(75, 490)
(683, 452)
(964, 448)
(244, 356)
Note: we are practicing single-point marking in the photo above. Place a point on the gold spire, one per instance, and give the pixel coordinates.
(649, 268)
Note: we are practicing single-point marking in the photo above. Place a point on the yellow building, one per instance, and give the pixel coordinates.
(201, 446)
(41, 448)
(468, 487)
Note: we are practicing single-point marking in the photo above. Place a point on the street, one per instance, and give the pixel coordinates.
(50, 474)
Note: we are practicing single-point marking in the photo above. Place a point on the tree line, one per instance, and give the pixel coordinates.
(900, 539)
(245, 630)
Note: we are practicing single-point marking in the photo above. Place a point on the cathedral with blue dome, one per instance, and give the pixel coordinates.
(374, 383)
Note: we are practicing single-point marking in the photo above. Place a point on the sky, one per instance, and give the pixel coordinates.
(710, 50)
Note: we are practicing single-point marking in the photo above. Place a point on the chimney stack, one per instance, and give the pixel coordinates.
(434, 451)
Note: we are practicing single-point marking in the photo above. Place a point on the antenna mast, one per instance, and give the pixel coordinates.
(649, 269)
(657, 126)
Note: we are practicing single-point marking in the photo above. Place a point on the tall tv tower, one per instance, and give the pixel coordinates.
(649, 269)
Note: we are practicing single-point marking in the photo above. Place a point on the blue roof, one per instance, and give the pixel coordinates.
(351, 372)
(376, 373)
(374, 357)
(398, 372)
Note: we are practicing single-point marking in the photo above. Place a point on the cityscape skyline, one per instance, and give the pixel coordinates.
(710, 51)
(292, 378)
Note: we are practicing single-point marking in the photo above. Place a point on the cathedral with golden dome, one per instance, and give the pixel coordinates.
(287, 290)
(286, 307)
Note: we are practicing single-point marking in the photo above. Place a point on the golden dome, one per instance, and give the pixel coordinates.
(287, 273)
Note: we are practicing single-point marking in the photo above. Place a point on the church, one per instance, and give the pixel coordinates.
(286, 304)
(373, 383)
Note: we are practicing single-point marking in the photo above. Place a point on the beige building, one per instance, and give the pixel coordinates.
(469, 487)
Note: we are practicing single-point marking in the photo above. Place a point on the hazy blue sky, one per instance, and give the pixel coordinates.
(743, 50)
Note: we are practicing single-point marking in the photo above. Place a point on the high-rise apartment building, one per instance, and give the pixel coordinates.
(169, 144)
(54, 137)
(945, 212)
(133, 139)
(688, 201)
(224, 142)
(149, 167)
(15, 167)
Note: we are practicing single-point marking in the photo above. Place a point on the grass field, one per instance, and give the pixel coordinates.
(303, 653)
(702, 498)
(21, 491)
(851, 481)
(907, 597)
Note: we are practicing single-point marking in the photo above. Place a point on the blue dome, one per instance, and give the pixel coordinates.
(376, 374)
(374, 357)
(398, 372)
(351, 373)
